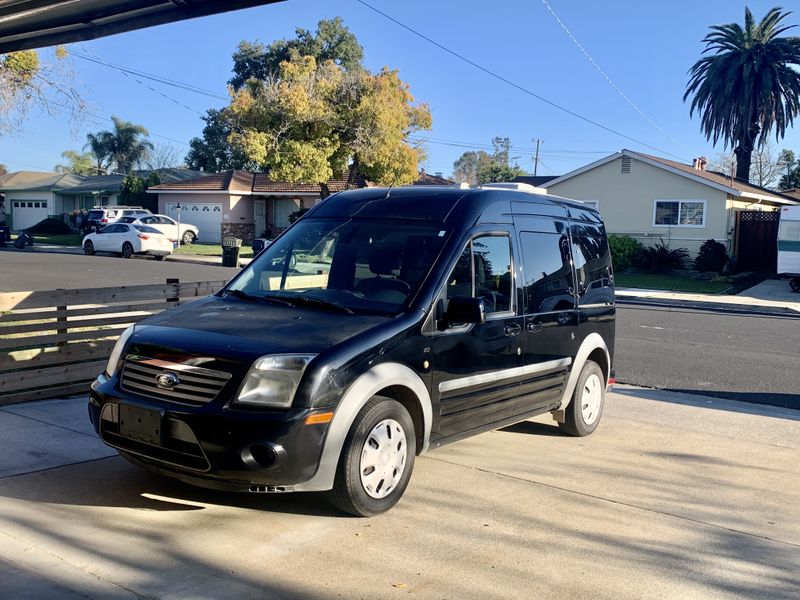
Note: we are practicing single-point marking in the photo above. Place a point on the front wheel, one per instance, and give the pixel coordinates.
(377, 459)
(127, 250)
(583, 413)
(88, 248)
(188, 238)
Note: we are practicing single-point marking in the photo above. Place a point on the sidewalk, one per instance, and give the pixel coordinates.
(769, 296)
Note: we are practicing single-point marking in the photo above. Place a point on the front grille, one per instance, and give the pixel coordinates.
(194, 385)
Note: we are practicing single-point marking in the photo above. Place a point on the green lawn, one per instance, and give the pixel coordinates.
(67, 239)
(674, 283)
(211, 250)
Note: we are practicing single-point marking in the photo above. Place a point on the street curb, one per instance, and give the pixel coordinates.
(718, 307)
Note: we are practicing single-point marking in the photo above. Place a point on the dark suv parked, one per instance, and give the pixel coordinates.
(383, 324)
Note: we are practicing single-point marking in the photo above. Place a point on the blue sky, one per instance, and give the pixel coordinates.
(646, 48)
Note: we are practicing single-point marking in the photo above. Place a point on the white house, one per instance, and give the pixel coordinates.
(651, 198)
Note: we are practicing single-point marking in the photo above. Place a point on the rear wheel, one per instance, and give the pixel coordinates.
(795, 284)
(188, 238)
(127, 250)
(161, 256)
(88, 248)
(377, 459)
(583, 413)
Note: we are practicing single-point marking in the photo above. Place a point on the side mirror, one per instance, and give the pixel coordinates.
(465, 309)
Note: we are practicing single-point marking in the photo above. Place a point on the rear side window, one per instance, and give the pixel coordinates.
(547, 284)
(484, 271)
(95, 214)
(592, 265)
(146, 229)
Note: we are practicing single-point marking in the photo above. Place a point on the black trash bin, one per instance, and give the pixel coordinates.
(259, 244)
(23, 239)
(230, 252)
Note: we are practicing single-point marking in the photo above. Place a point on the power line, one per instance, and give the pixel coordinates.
(517, 86)
(157, 78)
(609, 80)
(151, 88)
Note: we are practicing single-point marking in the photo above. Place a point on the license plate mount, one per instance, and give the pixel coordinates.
(141, 424)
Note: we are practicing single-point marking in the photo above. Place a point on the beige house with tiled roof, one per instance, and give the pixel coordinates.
(651, 198)
(243, 204)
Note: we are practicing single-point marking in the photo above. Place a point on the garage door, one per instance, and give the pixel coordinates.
(206, 216)
(27, 213)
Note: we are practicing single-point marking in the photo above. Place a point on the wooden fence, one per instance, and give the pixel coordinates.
(53, 343)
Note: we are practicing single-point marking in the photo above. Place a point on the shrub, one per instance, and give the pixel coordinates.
(661, 259)
(623, 250)
(297, 214)
(50, 226)
(713, 256)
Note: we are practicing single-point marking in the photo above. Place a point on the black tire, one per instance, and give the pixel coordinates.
(127, 250)
(161, 256)
(349, 494)
(88, 248)
(794, 283)
(188, 238)
(575, 423)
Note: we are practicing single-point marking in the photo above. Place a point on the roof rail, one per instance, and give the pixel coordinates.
(514, 186)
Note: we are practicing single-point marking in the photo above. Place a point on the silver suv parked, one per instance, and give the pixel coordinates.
(100, 216)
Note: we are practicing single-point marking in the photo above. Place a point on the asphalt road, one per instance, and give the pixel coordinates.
(739, 357)
(675, 497)
(35, 271)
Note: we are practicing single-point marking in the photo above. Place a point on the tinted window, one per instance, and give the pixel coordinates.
(146, 229)
(484, 271)
(548, 282)
(592, 264)
(95, 214)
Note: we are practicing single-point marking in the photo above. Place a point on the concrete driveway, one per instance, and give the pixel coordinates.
(674, 497)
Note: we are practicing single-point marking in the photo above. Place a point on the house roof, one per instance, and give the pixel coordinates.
(247, 183)
(735, 187)
(794, 193)
(69, 183)
(537, 180)
(428, 179)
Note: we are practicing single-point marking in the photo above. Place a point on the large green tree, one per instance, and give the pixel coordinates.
(477, 167)
(331, 41)
(303, 109)
(466, 168)
(747, 85)
(123, 147)
(790, 168)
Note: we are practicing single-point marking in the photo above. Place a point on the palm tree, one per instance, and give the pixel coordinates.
(748, 86)
(100, 146)
(124, 147)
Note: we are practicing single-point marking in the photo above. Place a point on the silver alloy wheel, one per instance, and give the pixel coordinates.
(591, 398)
(383, 458)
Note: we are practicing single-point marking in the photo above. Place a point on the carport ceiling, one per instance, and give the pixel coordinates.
(28, 24)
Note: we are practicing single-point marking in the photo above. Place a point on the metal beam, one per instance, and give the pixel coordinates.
(26, 24)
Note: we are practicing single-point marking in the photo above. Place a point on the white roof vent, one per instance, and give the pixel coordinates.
(515, 187)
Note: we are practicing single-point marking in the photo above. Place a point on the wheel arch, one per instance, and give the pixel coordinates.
(393, 380)
(593, 348)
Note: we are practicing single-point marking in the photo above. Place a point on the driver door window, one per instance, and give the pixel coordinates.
(484, 271)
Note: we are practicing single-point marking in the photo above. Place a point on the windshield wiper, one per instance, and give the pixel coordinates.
(245, 296)
(312, 301)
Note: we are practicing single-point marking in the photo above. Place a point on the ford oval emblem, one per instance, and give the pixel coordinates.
(167, 381)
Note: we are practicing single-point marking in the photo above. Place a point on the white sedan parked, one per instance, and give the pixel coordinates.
(169, 227)
(127, 239)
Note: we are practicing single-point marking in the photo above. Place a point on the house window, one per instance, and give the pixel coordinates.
(679, 213)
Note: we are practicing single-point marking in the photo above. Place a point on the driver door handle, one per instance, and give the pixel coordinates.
(512, 330)
(534, 327)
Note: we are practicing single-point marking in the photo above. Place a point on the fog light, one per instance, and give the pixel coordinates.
(261, 455)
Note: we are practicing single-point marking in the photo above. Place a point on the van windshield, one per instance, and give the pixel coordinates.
(351, 265)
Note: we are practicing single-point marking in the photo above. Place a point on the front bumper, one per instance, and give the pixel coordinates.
(213, 446)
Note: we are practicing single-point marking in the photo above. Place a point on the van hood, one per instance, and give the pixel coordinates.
(231, 328)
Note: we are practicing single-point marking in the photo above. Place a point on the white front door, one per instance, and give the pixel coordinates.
(260, 208)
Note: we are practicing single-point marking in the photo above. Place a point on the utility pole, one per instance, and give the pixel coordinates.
(536, 160)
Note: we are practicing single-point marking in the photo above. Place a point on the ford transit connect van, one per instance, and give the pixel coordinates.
(383, 324)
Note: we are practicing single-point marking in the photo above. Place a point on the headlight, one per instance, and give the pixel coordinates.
(113, 360)
(273, 380)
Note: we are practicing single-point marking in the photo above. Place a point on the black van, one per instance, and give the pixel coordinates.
(384, 323)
